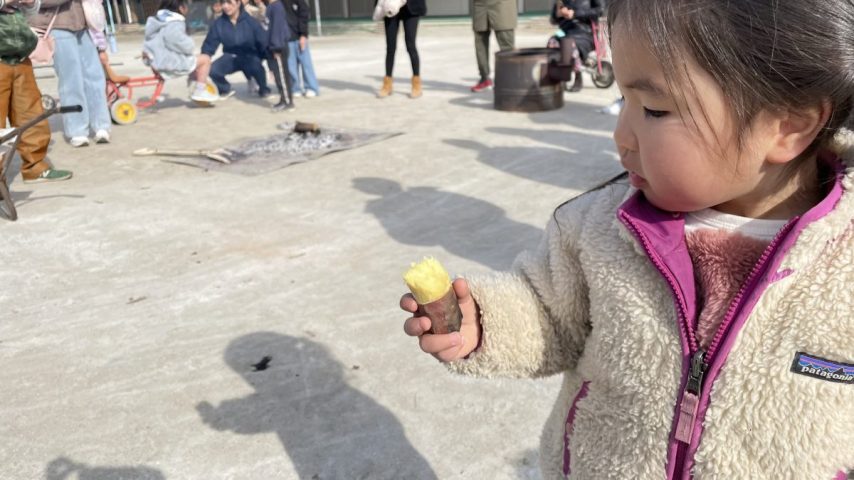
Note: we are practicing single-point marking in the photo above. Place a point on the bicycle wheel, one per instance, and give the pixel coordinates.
(604, 79)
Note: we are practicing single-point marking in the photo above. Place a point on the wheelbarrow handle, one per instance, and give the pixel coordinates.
(70, 109)
(20, 129)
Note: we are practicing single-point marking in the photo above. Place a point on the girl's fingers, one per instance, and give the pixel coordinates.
(437, 344)
(408, 303)
(416, 326)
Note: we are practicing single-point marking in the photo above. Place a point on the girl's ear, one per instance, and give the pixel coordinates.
(794, 131)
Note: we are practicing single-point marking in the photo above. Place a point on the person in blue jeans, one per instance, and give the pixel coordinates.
(78, 69)
(300, 55)
(244, 47)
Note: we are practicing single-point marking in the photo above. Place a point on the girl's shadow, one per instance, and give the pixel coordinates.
(329, 429)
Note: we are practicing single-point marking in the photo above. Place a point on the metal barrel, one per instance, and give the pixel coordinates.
(523, 83)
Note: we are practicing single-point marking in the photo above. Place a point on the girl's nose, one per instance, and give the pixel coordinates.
(624, 136)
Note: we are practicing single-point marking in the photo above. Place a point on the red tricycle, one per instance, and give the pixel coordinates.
(120, 93)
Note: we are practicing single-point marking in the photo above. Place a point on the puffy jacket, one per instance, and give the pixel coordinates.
(609, 302)
(167, 44)
(246, 37)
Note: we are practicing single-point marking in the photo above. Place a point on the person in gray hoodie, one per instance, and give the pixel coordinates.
(170, 50)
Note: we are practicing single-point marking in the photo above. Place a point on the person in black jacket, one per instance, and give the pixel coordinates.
(299, 56)
(408, 14)
(576, 35)
(279, 34)
(244, 46)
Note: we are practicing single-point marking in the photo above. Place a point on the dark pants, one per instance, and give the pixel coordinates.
(229, 63)
(506, 41)
(410, 30)
(277, 61)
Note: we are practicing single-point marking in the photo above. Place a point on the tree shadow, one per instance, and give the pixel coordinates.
(344, 85)
(63, 468)
(547, 165)
(462, 225)
(328, 428)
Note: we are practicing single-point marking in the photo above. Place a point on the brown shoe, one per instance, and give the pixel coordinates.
(386, 89)
(416, 87)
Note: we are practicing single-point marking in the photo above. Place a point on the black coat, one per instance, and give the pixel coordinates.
(297, 13)
(417, 8)
(586, 11)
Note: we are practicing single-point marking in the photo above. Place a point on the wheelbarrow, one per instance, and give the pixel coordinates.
(9, 139)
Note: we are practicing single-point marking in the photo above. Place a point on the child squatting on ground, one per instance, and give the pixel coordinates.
(701, 312)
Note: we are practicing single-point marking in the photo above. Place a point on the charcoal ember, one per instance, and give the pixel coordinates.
(444, 314)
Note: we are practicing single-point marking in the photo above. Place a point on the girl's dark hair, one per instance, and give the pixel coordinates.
(765, 54)
(172, 5)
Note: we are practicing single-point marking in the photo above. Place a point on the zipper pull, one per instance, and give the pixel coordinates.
(691, 398)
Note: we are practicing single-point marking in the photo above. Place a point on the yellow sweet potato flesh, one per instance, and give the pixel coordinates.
(428, 280)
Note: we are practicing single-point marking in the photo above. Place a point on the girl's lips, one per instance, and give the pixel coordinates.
(636, 180)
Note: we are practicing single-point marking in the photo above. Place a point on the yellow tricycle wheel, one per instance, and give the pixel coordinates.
(123, 112)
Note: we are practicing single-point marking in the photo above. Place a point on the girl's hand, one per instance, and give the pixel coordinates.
(450, 346)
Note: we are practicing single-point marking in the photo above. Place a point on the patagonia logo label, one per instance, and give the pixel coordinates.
(812, 366)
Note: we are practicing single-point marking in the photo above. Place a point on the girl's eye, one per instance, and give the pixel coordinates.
(654, 113)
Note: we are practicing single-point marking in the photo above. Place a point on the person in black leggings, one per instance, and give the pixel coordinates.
(408, 15)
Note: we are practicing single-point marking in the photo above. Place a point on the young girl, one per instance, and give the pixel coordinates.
(702, 313)
(170, 50)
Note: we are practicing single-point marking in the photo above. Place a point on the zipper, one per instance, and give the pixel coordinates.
(692, 391)
(691, 398)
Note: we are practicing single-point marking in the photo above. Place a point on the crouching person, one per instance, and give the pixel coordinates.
(20, 98)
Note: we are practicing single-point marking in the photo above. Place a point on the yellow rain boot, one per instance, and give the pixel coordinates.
(386, 89)
(416, 87)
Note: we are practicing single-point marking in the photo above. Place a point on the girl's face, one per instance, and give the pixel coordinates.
(229, 7)
(683, 165)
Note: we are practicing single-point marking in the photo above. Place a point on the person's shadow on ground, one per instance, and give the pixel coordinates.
(328, 429)
(465, 226)
(63, 468)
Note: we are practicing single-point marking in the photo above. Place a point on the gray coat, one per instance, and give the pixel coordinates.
(168, 45)
(493, 15)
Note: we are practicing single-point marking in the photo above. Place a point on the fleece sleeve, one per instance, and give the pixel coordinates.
(535, 318)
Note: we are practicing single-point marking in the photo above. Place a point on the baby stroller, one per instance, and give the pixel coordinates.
(598, 66)
(9, 139)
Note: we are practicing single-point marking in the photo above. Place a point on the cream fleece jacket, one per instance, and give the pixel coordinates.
(590, 304)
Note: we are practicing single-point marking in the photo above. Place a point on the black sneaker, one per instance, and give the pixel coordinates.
(264, 92)
(50, 175)
(284, 106)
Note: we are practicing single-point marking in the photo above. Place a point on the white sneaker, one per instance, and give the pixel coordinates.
(102, 136)
(204, 96)
(310, 94)
(252, 86)
(77, 142)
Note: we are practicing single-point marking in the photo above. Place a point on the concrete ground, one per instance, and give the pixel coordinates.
(139, 294)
